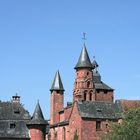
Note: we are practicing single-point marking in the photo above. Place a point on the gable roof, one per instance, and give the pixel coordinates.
(99, 110)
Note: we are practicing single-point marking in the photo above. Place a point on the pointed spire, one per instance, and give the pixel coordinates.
(37, 118)
(84, 60)
(95, 64)
(57, 83)
(38, 115)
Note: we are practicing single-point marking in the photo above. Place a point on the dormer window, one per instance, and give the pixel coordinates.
(17, 111)
(99, 110)
(12, 125)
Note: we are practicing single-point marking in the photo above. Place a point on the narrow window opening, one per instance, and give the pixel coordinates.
(87, 73)
(64, 129)
(112, 98)
(85, 95)
(90, 96)
(88, 84)
(98, 125)
(106, 125)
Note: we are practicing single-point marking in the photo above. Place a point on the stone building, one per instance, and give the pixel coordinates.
(87, 117)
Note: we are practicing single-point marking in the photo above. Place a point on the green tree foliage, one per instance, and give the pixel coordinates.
(129, 129)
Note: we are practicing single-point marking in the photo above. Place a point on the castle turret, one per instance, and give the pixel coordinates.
(83, 86)
(37, 125)
(57, 98)
(102, 91)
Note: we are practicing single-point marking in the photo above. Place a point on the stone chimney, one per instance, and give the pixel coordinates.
(16, 98)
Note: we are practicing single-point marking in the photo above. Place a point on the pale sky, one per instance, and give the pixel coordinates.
(39, 37)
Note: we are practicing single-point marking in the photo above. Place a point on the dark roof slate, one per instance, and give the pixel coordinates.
(84, 60)
(13, 118)
(57, 83)
(99, 110)
(17, 130)
(13, 111)
(63, 123)
(98, 83)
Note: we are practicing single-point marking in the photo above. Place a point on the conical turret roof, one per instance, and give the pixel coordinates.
(38, 117)
(84, 60)
(57, 83)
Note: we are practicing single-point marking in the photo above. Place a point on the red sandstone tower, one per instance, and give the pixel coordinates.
(83, 86)
(37, 125)
(88, 85)
(57, 98)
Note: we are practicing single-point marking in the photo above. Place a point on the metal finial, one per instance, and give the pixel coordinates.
(84, 37)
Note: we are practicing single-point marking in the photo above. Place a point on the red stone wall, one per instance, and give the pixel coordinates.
(129, 104)
(83, 82)
(75, 123)
(61, 117)
(36, 134)
(57, 104)
(59, 133)
(88, 130)
(102, 96)
(68, 112)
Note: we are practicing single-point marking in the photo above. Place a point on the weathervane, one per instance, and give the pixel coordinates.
(84, 37)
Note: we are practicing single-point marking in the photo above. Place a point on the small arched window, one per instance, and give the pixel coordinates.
(85, 96)
(90, 96)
